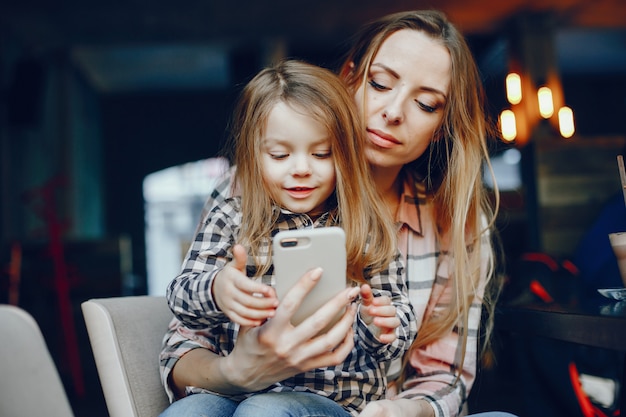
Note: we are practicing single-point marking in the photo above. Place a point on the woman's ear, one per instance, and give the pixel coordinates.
(346, 70)
(438, 134)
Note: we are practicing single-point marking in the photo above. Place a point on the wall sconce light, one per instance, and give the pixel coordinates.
(546, 105)
(527, 113)
(507, 125)
(513, 88)
(566, 122)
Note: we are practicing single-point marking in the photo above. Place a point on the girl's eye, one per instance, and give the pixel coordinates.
(322, 155)
(426, 107)
(377, 86)
(278, 156)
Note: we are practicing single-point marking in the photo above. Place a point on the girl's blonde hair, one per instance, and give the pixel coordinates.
(451, 168)
(318, 92)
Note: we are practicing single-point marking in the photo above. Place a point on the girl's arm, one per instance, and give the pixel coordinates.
(389, 283)
(190, 294)
(262, 355)
(197, 271)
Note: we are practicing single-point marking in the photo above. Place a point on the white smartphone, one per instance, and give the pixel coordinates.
(298, 251)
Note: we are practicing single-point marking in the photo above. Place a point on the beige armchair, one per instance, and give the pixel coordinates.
(30, 384)
(126, 335)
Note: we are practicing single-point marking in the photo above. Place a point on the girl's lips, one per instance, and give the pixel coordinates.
(382, 139)
(300, 192)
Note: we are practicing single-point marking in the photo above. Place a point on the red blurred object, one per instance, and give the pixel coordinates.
(43, 201)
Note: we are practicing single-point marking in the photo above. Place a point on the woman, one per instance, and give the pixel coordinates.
(417, 86)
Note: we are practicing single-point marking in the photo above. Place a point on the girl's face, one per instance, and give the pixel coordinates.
(297, 163)
(408, 85)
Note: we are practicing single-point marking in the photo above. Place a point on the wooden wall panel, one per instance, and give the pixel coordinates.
(574, 179)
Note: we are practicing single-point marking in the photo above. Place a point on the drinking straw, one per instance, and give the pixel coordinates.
(622, 174)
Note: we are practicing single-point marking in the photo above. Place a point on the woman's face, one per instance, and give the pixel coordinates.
(405, 96)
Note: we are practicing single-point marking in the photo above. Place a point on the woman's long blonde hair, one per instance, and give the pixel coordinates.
(318, 92)
(451, 168)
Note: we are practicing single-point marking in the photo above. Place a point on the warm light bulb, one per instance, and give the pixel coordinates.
(507, 125)
(546, 106)
(566, 122)
(513, 88)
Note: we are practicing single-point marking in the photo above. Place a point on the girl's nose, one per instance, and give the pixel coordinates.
(301, 166)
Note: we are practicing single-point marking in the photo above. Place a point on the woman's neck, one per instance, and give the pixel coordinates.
(387, 180)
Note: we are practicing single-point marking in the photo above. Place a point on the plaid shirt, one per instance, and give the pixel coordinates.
(430, 289)
(428, 268)
(360, 379)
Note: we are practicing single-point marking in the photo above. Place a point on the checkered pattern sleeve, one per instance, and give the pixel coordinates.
(189, 294)
(390, 283)
(179, 340)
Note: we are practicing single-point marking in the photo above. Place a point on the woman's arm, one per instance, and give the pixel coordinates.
(398, 408)
(276, 350)
(438, 378)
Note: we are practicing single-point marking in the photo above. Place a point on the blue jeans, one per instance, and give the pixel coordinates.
(270, 404)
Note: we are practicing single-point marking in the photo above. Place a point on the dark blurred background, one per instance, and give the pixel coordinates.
(97, 96)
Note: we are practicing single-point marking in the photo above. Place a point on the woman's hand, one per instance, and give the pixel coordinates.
(401, 407)
(276, 350)
(244, 301)
(381, 313)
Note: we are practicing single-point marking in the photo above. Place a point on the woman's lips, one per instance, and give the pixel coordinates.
(382, 139)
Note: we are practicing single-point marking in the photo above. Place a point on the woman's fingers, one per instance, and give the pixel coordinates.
(330, 357)
(302, 345)
(277, 350)
(328, 349)
(293, 298)
(327, 314)
(330, 340)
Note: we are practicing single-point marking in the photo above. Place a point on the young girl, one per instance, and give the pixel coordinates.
(298, 152)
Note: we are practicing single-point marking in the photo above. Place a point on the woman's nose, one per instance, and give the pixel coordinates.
(392, 113)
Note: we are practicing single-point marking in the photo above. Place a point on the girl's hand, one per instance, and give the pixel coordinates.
(381, 313)
(245, 301)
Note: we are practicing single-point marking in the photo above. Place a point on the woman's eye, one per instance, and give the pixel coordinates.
(426, 107)
(377, 86)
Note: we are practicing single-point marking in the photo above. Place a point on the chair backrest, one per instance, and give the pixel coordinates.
(126, 335)
(30, 384)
